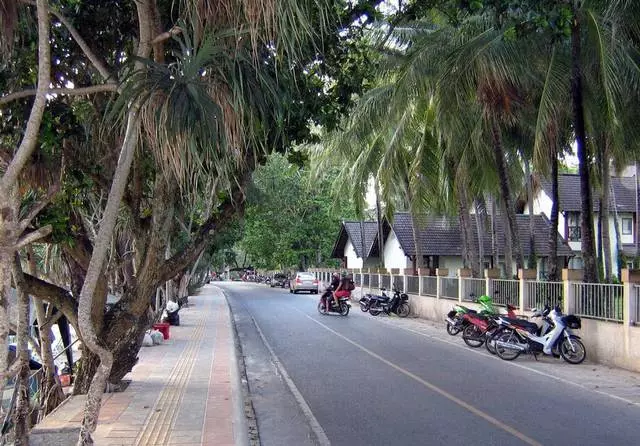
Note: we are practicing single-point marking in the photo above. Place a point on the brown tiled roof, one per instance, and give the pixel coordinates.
(623, 195)
(352, 230)
(442, 235)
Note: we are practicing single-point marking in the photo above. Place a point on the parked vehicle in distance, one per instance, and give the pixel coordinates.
(304, 282)
(278, 280)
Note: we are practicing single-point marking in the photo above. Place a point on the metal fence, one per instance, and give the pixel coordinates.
(598, 301)
(365, 280)
(398, 282)
(472, 288)
(385, 281)
(449, 287)
(429, 285)
(413, 284)
(374, 281)
(540, 294)
(505, 291)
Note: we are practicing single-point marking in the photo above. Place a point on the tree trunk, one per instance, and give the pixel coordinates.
(415, 231)
(505, 190)
(21, 414)
(508, 248)
(362, 239)
(590, 272)
(9, 200)
(470, 257)
(553, 231)
(101, 246)
(51, 394)
(495, 258)
(604, 209)
(481, 213)
(380, 232)
(532, 261)
(616, 227)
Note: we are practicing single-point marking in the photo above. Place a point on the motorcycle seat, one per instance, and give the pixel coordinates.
(529, 326)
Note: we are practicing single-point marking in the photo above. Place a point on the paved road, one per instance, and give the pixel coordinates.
(371, 381)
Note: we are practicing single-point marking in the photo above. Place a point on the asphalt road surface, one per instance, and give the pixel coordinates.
(356, 381)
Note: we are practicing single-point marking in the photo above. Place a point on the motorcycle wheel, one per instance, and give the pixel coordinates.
(403, 310)
(344, 309)
(573, 354)
(453, 330)
(506, 353)
(374, 311)
(321, 308)
(473, 336)
(490, 342)
(364, 307)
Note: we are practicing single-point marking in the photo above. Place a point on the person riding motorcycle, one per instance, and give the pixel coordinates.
(343, 289)
(335, 282)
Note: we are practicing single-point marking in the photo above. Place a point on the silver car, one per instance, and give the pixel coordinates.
(304, 282)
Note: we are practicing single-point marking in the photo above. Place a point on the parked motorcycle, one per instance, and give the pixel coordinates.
(397, 304)
(559, 341)
(342, 307)
(456, 321)
(482, 327)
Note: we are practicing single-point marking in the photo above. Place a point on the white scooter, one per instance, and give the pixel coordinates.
(559, 341)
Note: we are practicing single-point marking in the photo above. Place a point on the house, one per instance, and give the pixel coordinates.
(441, 242)
(349, 246)
(623, 206)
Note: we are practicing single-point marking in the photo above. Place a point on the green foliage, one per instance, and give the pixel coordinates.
(290, 219)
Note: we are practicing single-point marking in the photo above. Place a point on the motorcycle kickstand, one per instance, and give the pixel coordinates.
(535, 356)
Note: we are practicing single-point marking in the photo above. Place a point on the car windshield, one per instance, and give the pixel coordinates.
(306, 276)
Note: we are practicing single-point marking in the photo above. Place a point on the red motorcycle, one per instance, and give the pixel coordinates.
(342, 307)
(480, 327)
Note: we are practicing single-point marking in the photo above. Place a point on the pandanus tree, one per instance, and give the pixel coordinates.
(205, 109)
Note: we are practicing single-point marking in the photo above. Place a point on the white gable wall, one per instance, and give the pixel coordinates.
(394, 256)
(353, 261)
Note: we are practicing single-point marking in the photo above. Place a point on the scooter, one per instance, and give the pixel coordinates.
(342, 307)
(559, 341)
(397, 304)
(456, 321)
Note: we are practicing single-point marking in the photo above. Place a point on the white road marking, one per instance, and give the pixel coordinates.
(317, 429)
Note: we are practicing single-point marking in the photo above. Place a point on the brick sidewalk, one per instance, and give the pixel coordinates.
(181, 392)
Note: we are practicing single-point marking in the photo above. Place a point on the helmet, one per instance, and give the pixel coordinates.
(343, 274)
(484, 299)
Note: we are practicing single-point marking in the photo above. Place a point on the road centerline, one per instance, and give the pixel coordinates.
(474, 410)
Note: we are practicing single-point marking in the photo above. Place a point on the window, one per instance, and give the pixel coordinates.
(573, 227)
(627, 225)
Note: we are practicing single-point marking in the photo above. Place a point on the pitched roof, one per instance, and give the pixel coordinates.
(623, 193)
(351, 230)
(442, 236)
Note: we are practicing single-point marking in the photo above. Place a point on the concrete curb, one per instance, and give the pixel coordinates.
(244, 415)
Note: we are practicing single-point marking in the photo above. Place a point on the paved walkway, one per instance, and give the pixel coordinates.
(183, 392)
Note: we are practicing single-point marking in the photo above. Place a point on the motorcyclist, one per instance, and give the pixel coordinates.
(335, 282)
(344, 288)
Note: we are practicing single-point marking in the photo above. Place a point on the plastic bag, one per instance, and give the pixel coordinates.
(147, 341)
(172, 307)
(157, 337)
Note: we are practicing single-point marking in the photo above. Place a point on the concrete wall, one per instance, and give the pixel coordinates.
(606, 342)
(611, 343)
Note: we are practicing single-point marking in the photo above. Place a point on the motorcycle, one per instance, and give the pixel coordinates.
(397, 304)
(342, 307)
(559, 341)
(481, 328)
(456, 321)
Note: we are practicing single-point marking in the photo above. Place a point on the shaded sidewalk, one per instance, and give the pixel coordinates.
(183, 392)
